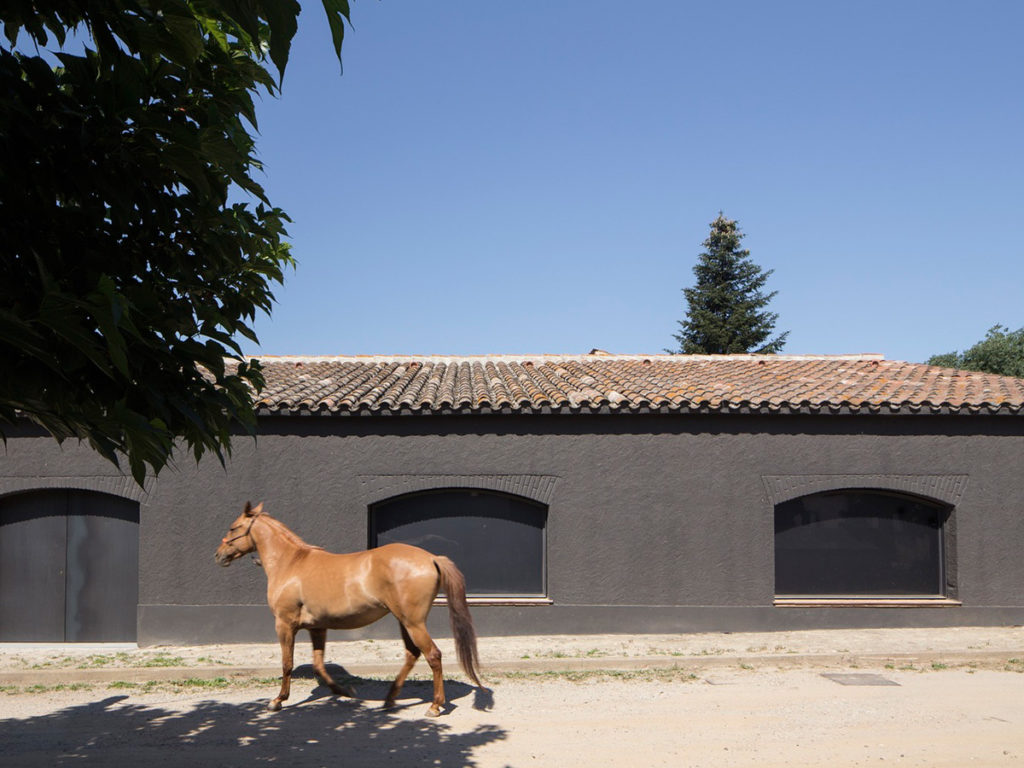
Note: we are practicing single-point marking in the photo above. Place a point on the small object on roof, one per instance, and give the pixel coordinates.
(596, 351)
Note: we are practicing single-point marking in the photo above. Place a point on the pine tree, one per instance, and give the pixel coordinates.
(726, 307)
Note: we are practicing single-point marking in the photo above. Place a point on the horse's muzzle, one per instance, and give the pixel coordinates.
(224, 558)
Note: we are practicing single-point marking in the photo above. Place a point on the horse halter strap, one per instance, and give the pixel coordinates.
(226, 540)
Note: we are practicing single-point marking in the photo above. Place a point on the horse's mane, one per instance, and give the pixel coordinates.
(288, 533)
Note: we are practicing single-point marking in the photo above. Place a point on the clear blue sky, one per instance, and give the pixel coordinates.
(537, 177)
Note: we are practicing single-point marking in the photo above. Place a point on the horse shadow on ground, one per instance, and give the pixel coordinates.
(373, 691)
(319, 730)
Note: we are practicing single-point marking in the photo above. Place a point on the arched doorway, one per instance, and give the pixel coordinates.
(69, 567)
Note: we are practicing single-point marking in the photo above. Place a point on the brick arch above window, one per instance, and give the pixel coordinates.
(947, 489)
(125, 487)
(377, 488)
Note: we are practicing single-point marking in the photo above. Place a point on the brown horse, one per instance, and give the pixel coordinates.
(310, 588)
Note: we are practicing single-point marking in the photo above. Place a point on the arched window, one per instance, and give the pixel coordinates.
(860, 542)
(495, 539)
(69, 567)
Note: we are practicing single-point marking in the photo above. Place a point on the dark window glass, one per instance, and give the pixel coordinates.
(497, 541)
(859, 543)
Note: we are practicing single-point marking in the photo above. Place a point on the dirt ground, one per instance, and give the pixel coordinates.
(910, 697)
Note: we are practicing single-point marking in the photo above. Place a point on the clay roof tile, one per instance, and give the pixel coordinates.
(767, 383)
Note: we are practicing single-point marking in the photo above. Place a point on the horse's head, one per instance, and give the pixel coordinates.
(238, 540)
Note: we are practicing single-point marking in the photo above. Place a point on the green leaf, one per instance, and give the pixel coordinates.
(282, 18)
(337, 14)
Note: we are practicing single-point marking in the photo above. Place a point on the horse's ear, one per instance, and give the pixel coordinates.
(251, 511)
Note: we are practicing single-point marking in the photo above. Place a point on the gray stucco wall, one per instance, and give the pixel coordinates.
(655, 522)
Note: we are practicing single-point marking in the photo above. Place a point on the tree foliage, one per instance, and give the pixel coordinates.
(726, 307)
(127, 272)
(1000, 352)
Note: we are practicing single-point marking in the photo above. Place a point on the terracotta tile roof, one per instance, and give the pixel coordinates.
(599, 382)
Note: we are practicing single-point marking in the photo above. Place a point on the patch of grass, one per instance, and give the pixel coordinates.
(201, 682)
(938, 665)
(120, 659)
(711, 652)
(216, 683)
(122, 684)
(151, 686)
(181, 686)
(211, 660)
(39, 688)
(96, 661)
(161, 660)
(123, 659)
(192, 684)
(64, 661)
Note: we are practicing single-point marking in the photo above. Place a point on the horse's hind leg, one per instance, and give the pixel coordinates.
(285, 636)
(319, 638)
(411, 654)
(421, 638)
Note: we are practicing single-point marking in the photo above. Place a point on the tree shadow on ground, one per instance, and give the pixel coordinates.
(318, 730)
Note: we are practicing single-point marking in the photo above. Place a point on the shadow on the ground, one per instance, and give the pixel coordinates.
(374, 691)
(318, 729)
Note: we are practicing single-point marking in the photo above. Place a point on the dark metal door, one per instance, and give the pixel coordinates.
(69, 567)
(33, 543)
(102, 568)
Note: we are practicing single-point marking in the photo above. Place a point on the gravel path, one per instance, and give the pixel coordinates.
(919, 697)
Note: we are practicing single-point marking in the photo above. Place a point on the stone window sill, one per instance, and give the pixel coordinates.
(856, 601)
(500, 600)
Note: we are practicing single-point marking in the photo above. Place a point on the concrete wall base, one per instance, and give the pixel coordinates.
(209, 624)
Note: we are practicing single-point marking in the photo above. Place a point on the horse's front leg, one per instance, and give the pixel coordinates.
(319, 638)
(286, 636)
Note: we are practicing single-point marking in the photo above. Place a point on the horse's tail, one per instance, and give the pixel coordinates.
(454, 585)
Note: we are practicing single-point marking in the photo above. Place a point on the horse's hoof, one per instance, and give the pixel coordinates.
(274, 706)
(434, 711)
(343, 690)
(389, 704)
